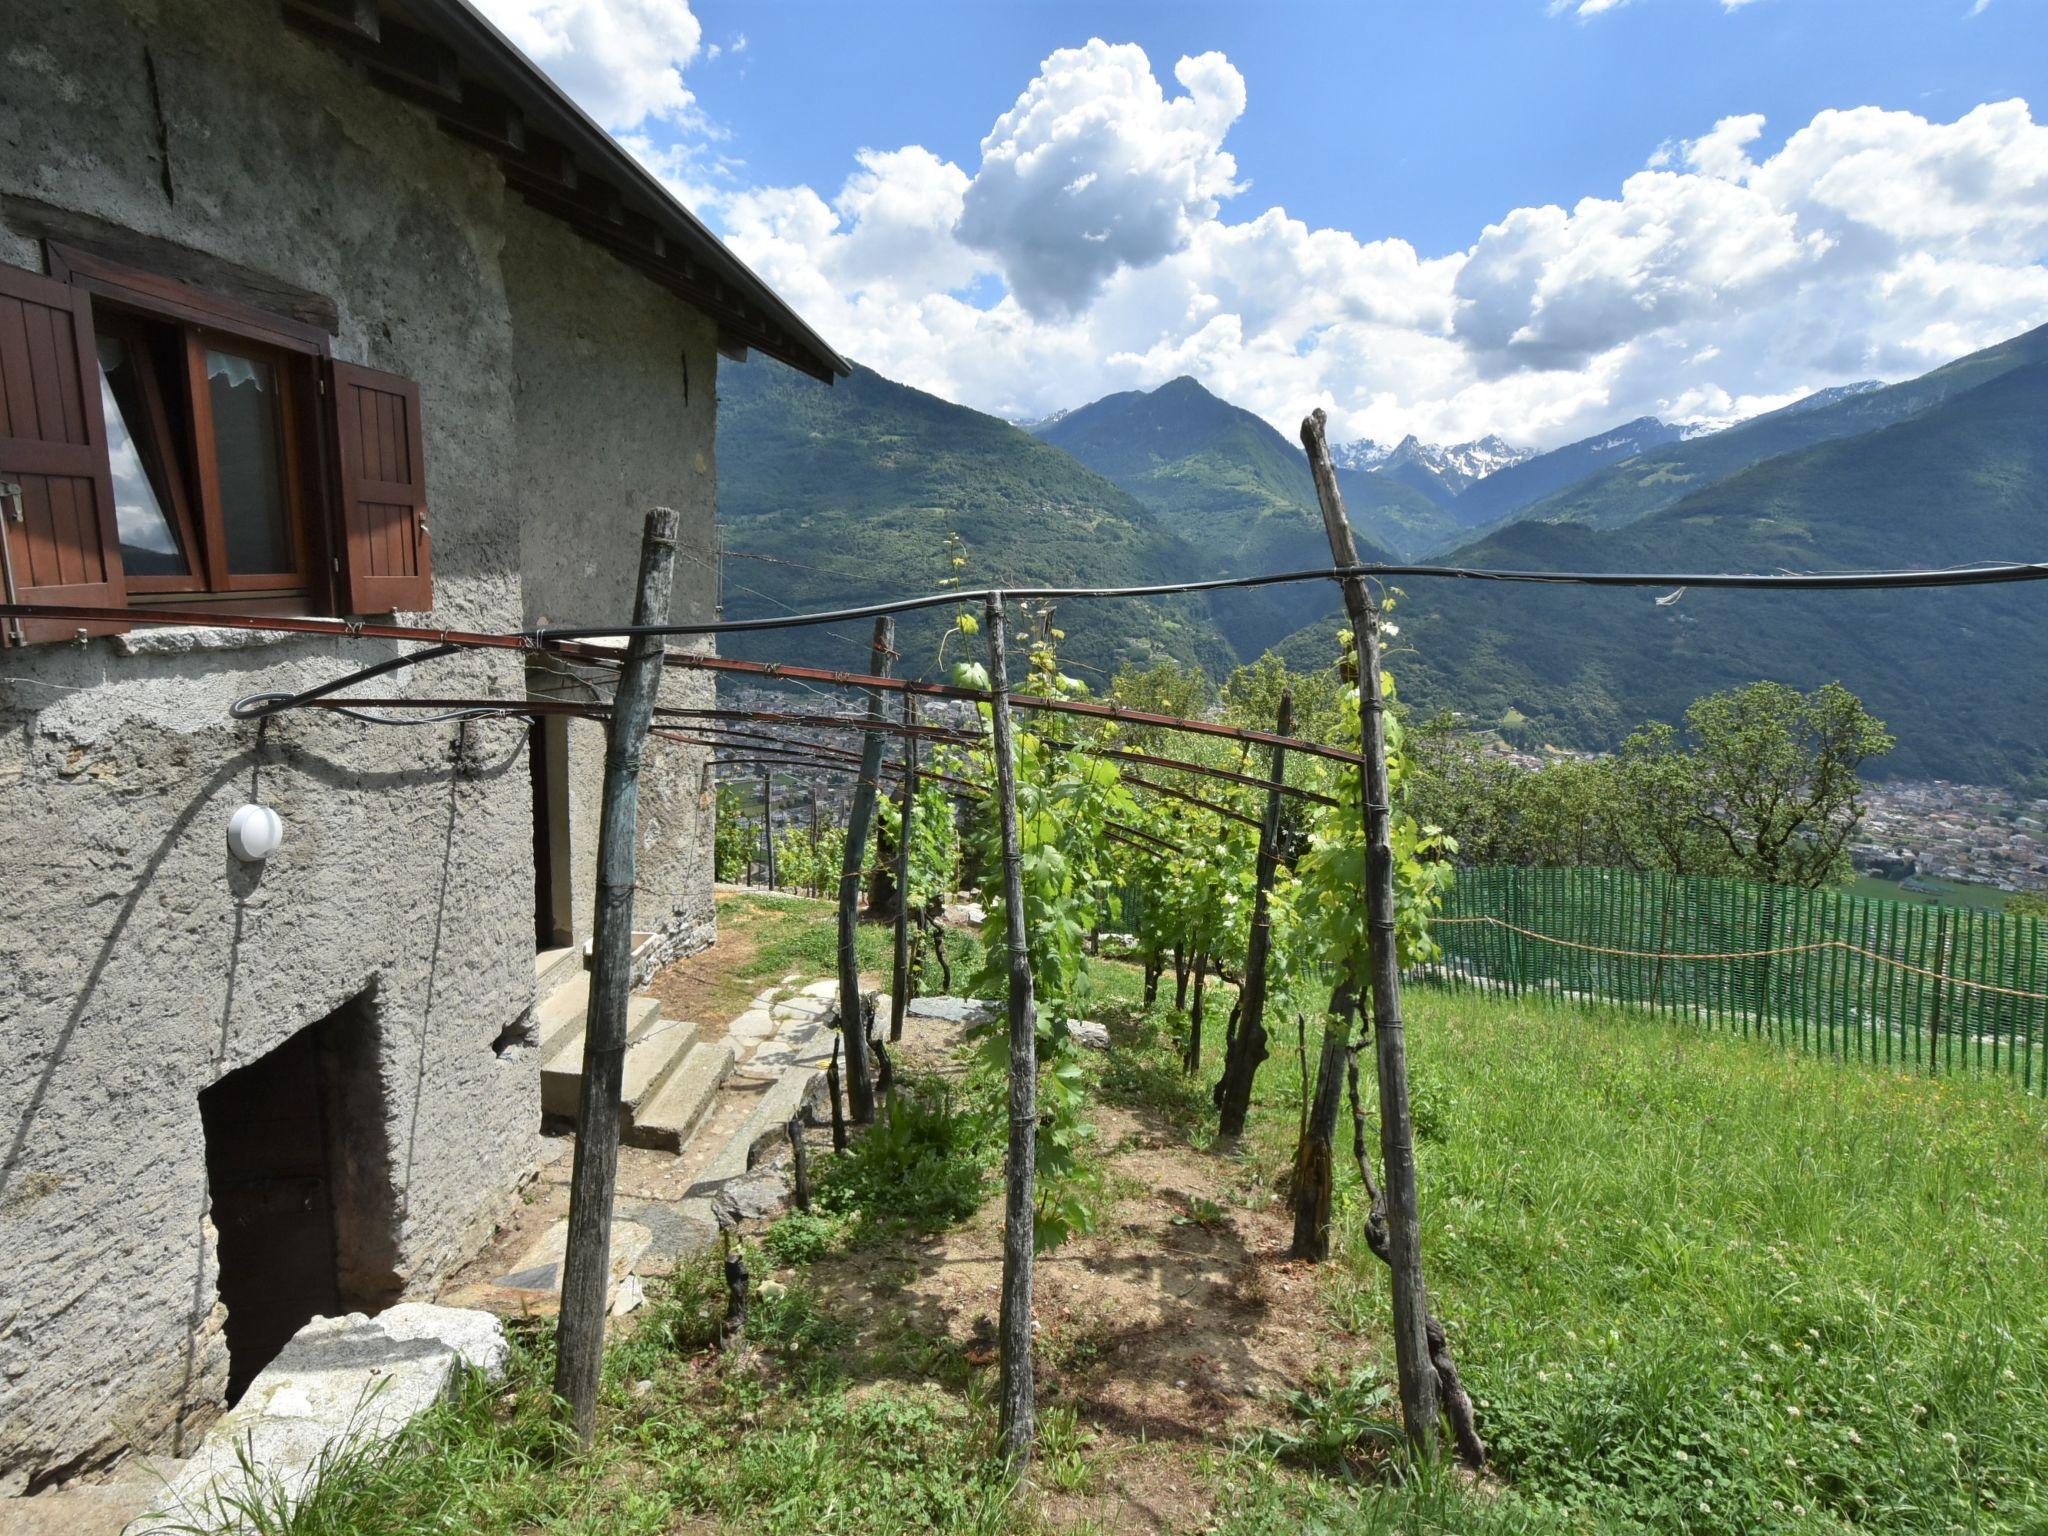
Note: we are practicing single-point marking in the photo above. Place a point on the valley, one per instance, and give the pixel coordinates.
(831, 497)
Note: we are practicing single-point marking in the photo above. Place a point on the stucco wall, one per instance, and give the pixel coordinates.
(138, 963)
(641, 371)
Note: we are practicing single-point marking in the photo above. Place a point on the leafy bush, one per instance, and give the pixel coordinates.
(1336, 1421)
(802, 1237)
(788, 1319)
(923, 1162)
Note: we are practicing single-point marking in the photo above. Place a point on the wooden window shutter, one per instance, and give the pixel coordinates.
(386, 559)
(63, 545)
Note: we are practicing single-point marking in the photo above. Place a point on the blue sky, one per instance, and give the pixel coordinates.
(1424, 120)
(1531, 217)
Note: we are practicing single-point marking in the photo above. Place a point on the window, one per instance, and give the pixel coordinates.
(162, 446)
(205, 443)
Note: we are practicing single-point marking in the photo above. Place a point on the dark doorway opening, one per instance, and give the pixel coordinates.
(300, 1182)
(547, 758)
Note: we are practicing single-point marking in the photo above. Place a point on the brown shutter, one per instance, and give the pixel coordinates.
(62, 543)
(386, 561)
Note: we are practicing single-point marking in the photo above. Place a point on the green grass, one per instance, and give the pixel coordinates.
(1698, 1285)
(1695, 1285)
(1951, 893)
(795, 935)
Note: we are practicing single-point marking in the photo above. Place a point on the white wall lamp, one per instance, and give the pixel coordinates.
(254, 832)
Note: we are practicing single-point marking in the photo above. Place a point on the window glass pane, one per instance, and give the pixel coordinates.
(247, 448)
(148, 546)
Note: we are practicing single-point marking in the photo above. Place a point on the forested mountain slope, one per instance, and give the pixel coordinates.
(1961, 675)
(1237, 491)
(840, 495)
(1664, 476)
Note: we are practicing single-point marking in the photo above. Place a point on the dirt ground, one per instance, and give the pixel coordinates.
(1172, 1328)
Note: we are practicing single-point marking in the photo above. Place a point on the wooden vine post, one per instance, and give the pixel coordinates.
(814, 841)
(1248, 1049)
(1018, 1405)
(1418, 1385)
(768, 824)
(586, 1265)
(860, 1088)
(899, 980)
(1315, 1160)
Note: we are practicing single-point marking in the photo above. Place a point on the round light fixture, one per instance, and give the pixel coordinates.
(254, 832)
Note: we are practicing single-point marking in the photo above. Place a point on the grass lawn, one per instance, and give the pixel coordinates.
(1695, 1285)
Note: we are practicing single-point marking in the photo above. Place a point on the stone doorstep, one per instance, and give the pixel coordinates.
(651, 1045)
(340, 1382)
(668, 1117)
(534, 1284)
(560, 1011)
(90, 1509)
(556, 968)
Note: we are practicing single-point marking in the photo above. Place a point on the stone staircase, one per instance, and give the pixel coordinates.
(706, 1124)
(670, 1076)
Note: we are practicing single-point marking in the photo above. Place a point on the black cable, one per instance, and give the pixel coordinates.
(256, 706)
(1956, 576)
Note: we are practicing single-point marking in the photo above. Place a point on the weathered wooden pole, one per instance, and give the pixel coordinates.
(899, 981)
(860, 1088)
(768, 824)
(586, 1266)
(1314, 1182)
(799, 1163)
(1397, 1128)
(1018, 1403)
(816, 889)
(1241, 1067)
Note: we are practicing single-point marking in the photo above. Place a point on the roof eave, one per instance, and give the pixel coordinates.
(443, 55)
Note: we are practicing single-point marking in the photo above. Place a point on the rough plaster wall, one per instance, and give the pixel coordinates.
(619, 359)
(137, 963)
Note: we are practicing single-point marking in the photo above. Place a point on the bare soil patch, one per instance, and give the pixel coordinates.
(1174, 1327)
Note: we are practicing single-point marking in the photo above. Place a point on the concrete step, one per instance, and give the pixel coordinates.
(796, 1090)
(667, 1117)
(561, 1070)
(552, 967)
(561, 1009)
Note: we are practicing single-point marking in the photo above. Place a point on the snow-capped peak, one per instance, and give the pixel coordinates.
(1362, 454)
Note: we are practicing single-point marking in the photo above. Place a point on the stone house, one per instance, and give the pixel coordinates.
(319, 307)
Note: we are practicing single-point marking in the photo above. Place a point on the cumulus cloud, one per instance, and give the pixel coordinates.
(1719, 281)
(1095, 168)
(622, 60)
(1104, 240)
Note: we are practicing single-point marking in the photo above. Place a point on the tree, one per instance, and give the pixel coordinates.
(1251, 699)
(1164, 688)
(1776, 777)
(2027, 904)
(735, 840)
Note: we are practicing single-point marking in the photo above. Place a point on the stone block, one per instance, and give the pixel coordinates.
(342, 1384)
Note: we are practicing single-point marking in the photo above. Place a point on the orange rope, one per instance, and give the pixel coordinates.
(1754, 954)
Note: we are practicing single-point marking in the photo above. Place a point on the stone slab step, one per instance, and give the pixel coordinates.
(553, 967)
(792, 1093)
(351, 1381)
(652, 1044)
(561, 1010)
(537, 1277)
(667, 1116)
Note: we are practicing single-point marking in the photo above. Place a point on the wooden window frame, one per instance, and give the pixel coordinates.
(299, 355)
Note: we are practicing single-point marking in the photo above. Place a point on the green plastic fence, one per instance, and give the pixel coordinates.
(1932, 989)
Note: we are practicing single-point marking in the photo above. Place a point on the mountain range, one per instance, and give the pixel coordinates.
(833, 496)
